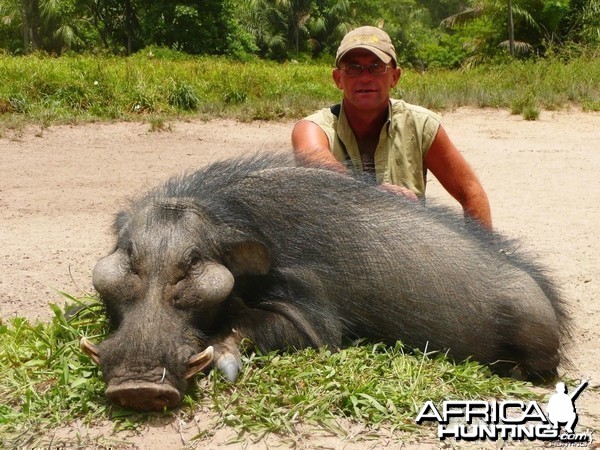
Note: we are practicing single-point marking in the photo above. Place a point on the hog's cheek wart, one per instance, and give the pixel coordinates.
(113, 278)
(105, 274)
(214, 283)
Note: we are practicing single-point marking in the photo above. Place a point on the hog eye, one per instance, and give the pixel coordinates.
(193, 259)
(186, 265)
(132, 257)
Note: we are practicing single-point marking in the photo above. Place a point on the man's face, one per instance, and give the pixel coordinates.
(365, 91)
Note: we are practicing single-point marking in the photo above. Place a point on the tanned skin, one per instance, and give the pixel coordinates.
(366, 100)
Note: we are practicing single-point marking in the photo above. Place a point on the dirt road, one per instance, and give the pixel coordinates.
(59, 189)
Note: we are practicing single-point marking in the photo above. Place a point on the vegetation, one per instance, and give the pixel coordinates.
(158, 84)
(262, 59)
(427, 33)
(46, 382)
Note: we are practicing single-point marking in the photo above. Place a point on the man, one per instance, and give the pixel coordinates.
(391, 141)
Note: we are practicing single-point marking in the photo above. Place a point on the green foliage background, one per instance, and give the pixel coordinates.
(427, 33)
(161, 84)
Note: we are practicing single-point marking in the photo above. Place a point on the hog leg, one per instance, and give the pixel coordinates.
(275, 325)
(227, 355)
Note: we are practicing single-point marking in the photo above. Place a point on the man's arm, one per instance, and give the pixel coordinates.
(311, 147)
(454, 173)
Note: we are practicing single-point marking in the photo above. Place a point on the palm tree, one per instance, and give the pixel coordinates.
(42, 22)
(298, 12)
(277, 25)
(590, 22)
(10, 16)
(328, 25)
(496, 11)
(31, 24)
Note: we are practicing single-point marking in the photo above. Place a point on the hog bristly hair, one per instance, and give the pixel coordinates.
(348, 260)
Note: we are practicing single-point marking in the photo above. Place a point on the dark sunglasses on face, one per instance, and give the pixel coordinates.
(355, 70)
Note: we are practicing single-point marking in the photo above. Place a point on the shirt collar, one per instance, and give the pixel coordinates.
(387, 124)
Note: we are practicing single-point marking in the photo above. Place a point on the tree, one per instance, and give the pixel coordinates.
(406, 21)
(11, 29)
(31, 25)
(279, 27)
(329, 21)
(66, 25)
(47, 25)
(590, 20)
(191, 26)
(501, 14)
(582, 22)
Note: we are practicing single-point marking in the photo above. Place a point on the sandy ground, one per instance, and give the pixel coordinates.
(60, 187)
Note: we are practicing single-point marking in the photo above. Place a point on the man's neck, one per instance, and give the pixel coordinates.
(366, 124)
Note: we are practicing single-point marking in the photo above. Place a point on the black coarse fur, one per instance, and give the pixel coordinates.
(351, 261)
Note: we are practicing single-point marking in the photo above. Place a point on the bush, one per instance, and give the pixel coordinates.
(183, 96)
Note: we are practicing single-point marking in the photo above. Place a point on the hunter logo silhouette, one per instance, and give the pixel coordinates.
(561, 407)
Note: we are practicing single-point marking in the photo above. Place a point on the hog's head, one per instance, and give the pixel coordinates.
(163, 287)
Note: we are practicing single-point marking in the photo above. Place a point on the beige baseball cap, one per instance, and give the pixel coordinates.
(373, 39)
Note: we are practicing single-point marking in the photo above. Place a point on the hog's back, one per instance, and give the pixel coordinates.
(390, 268)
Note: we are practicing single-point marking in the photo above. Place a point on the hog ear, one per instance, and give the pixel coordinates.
(121, 220)
(248, 258)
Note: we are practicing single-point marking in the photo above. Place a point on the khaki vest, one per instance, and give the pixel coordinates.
(403, 142)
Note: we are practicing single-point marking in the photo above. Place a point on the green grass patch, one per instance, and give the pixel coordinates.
(73, 89)
(47, 382)
(544, 84)
(374, 385)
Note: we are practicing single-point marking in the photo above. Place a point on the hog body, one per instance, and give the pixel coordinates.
(292, 257)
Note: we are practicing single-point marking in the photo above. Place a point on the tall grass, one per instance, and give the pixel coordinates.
(90, 88)
(548, 84)
(46, 382)
(49, 90)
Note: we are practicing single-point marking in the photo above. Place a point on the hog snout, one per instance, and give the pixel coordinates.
(155, 396)
(152, 389)
(138, 394)
(143, 395)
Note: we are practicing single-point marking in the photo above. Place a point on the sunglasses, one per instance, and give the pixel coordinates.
(355, 70)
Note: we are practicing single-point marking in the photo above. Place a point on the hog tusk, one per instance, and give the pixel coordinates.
(199, 361)
(90, 349)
